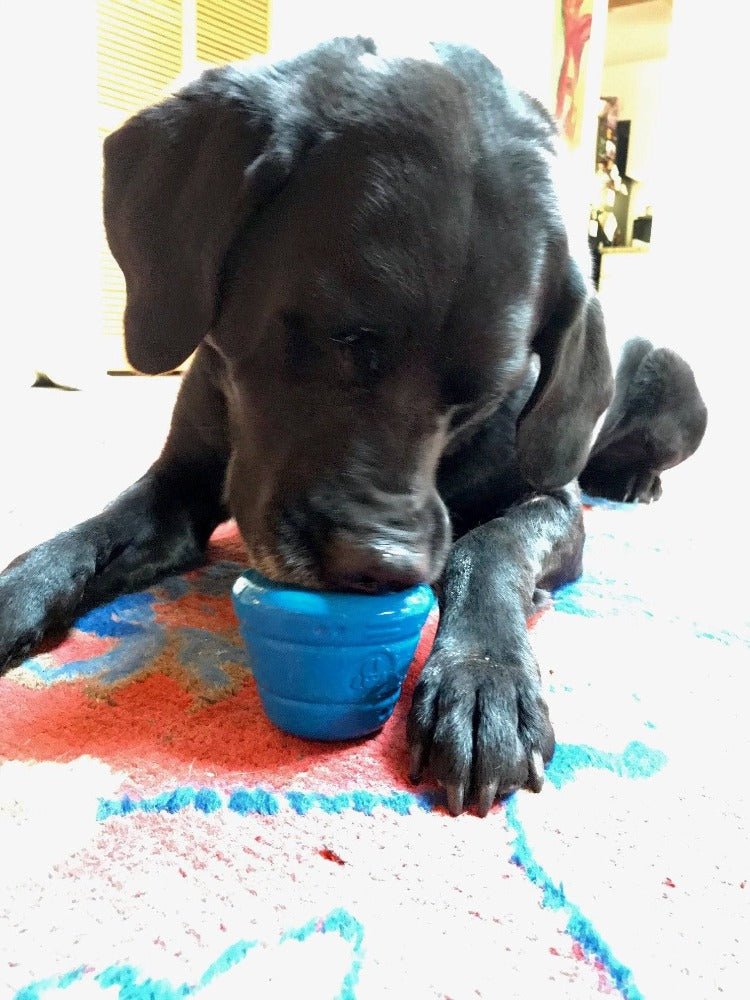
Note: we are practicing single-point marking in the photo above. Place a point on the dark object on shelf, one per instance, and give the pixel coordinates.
(622, 143)
(642, 228)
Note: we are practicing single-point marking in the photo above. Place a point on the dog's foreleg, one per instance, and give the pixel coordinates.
(159, 525)
(478, 721)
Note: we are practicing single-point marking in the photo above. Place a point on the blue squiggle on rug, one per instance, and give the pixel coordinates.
(554, 897)
(132, 987)
(261, 802)
(636, 761)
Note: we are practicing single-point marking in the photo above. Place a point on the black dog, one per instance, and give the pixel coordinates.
(394, 348)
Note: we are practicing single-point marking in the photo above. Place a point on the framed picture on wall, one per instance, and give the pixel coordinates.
(572, 34)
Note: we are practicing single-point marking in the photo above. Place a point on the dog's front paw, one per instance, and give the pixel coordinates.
(479, 726)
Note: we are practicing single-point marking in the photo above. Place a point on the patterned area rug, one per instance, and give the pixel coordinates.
(162, 840)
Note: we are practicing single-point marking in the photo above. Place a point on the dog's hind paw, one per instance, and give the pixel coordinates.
(644, 487)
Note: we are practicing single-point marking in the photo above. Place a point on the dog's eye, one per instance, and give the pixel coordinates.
(345, 338)
(354, 335)
(362, 346)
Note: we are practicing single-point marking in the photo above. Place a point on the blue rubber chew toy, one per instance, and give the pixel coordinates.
(328, 666)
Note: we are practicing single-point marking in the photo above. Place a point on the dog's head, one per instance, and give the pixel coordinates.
(337, 230)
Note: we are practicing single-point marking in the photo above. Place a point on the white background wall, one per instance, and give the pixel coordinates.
(50, 191)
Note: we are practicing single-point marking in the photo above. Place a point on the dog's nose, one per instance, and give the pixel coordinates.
(374, 568)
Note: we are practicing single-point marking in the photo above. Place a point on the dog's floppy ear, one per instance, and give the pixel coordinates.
(179, 178)
(574, 387)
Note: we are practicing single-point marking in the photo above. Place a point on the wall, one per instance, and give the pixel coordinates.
(50, 189)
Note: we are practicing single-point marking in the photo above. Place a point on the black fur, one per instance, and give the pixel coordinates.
(399, 368)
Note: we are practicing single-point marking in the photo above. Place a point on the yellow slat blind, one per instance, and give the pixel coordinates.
(139, 50)
(231, 29)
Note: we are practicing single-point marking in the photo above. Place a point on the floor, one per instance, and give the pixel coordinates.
(67, 454)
